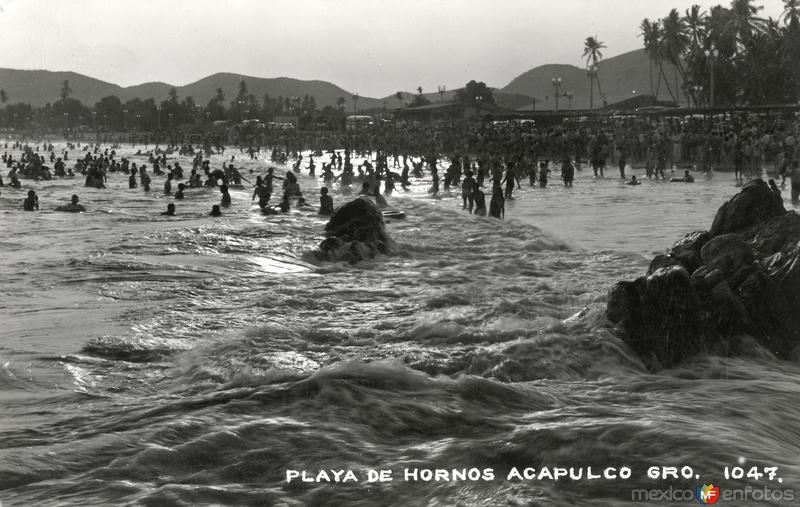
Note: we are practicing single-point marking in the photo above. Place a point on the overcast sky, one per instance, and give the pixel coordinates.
(372, 47)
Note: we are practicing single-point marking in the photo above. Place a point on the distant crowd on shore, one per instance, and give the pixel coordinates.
(469, 156)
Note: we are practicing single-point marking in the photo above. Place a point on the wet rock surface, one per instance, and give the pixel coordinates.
(740, 278)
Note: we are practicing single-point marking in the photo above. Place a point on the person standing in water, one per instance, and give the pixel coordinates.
(325, 202)
(623, 159)
(497, 206)
(567, 172)
(226, 196)
(467, 191)
(480, 201)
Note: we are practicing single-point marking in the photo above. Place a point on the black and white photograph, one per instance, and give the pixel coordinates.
(422, 253)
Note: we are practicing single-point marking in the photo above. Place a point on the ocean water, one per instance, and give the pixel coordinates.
(191, 360)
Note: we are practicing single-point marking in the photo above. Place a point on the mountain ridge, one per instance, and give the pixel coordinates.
(621, 77)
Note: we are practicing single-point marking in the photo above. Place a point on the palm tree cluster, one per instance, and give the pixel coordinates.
(754, 60)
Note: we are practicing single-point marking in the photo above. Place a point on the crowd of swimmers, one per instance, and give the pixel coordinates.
(498, 158)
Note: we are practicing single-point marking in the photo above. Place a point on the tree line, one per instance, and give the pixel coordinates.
(726, 56)
(110, 113)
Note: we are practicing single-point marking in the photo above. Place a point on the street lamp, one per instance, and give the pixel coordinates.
(241, 109)
(441, 93)
(591, 71)
(66, 117)
(556, 86)
(138, 118)
(712, 54)
(158, 109)
(94, 120)
(697, 91)
(125, 120)
(355, 103)
(569, 95)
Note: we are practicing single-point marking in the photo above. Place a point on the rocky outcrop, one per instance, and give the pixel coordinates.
(740, 278)
(356, 231)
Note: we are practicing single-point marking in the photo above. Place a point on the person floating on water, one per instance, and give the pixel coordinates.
(687, 178)
(179, 194)
(633, 181)
(31, 202)
(73, 206)
(170, 210)
(325, 202)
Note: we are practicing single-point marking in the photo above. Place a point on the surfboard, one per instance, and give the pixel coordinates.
(393, 213)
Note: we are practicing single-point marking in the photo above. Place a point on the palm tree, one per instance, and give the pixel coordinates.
(3, 96)
(791, 14)
(592, 53)
(651, 33)
(674, 43)
(695, 22)
(744, 23)
(172, 95)
(419, 89)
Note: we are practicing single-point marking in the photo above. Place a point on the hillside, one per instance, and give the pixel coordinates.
(39, 87)
(621, 77)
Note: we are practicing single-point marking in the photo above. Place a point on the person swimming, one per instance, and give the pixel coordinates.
(31, 202)
(633, 181)
(73, 206)
(215, 211)
(170, 210)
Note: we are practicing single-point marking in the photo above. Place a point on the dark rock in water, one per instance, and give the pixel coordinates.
(687, 250)
(741, 278)
(356, 231)
(755, 203)
(662, 261)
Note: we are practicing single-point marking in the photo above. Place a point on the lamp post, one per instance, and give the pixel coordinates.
(355, 103)
(697, 91)
(138, 118)
(591, 71)
(712, 54)
(125, 120)
(569, 95)
(556, 86)
(66, 117)
(94, 120)
(442, 89)
(158, 110)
